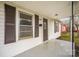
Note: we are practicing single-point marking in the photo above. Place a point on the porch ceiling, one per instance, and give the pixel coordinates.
(48, 8)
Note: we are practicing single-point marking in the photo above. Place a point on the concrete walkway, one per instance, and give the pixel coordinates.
(50, 48)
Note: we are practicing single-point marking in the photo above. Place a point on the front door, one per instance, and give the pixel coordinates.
(45, 29)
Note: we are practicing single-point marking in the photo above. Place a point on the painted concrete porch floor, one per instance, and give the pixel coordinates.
(50, 48)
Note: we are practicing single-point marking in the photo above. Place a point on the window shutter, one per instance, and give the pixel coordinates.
(10, 15)
(36, 25)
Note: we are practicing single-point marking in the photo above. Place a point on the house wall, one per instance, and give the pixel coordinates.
(20, 46)
(52, 34)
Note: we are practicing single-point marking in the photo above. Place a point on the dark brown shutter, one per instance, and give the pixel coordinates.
(36, 25)
(10, 15)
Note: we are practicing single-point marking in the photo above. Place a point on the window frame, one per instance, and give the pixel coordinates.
(56, 26)
(27, 37)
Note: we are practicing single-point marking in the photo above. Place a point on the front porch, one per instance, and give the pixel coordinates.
(50, 48)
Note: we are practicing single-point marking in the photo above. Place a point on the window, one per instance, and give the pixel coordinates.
(26, 30)
(56, 26)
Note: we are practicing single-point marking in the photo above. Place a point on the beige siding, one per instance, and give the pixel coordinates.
(1, 23)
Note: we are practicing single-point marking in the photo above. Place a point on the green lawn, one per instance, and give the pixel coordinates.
(66, 36)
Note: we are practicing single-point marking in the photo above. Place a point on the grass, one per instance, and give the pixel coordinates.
(66, 37)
